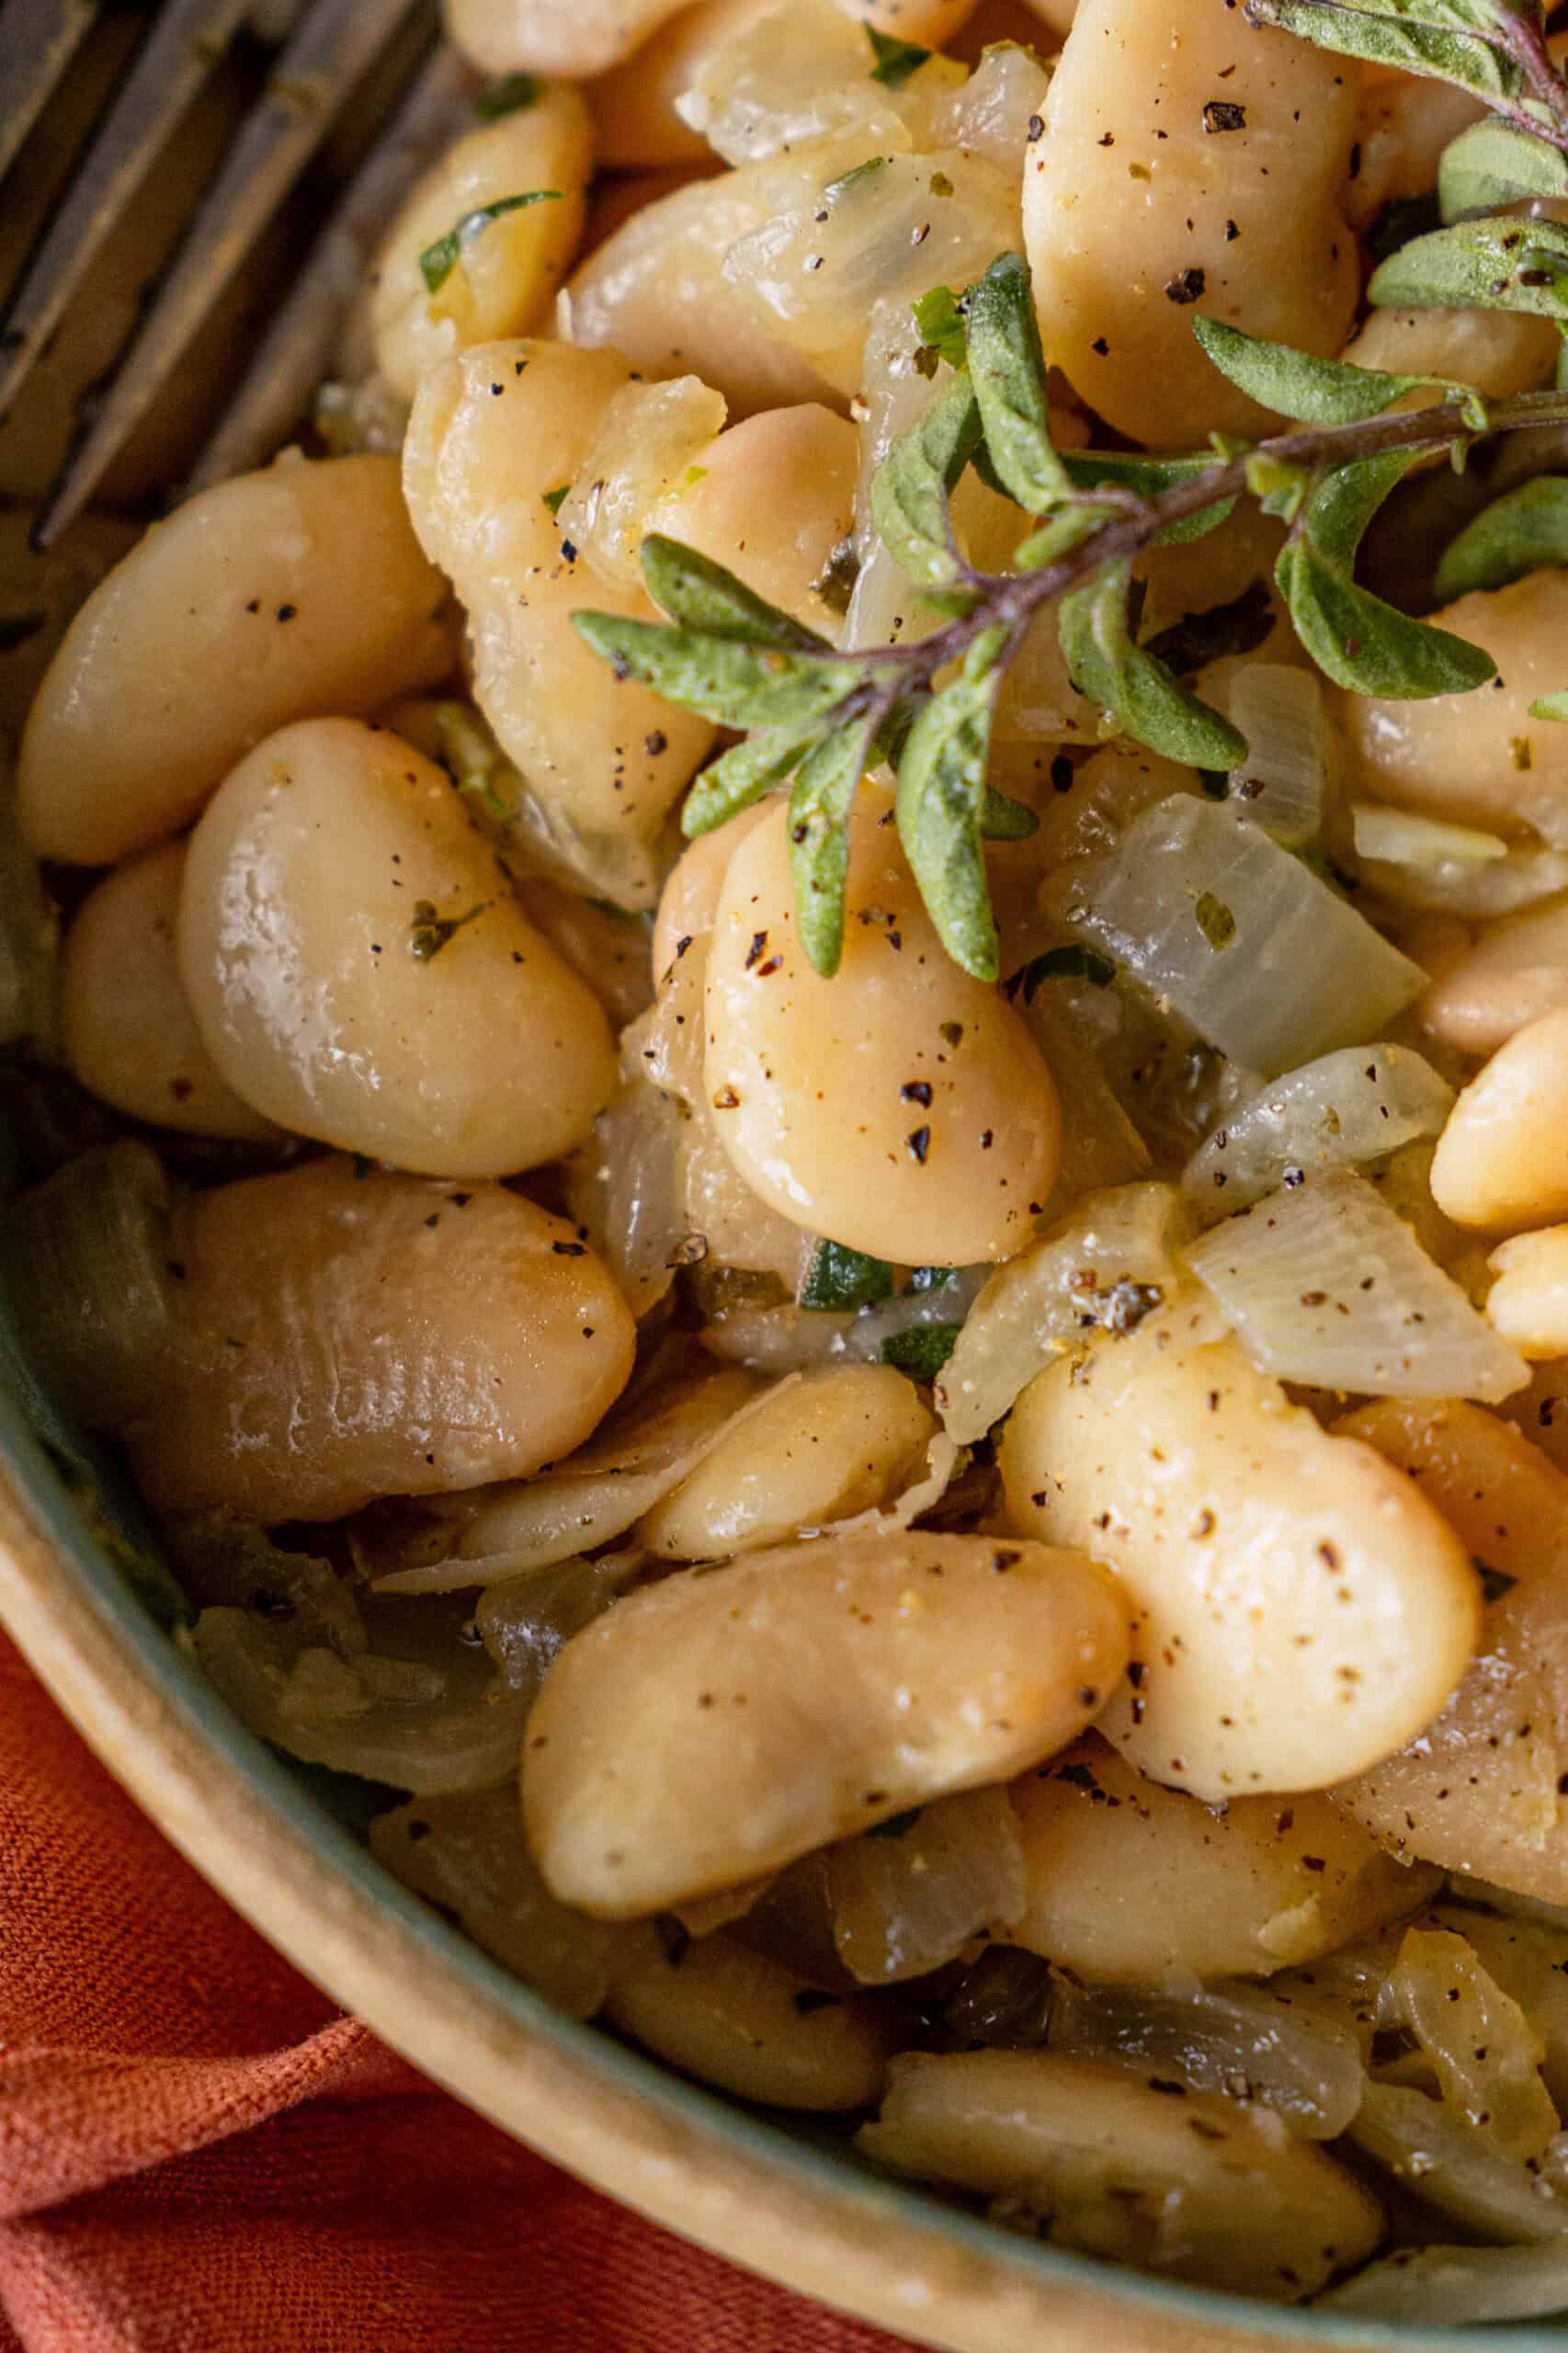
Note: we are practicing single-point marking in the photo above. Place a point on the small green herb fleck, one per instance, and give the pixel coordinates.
(848, 181)
(556, 499)
(940, 185)
(839, 1279)
(895, 60)
(511, 94)
(1215, 921)
(437, 262)
(939, 320)
(429, 932)
(923, 1351)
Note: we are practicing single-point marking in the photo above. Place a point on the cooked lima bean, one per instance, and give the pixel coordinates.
(1528, 1303)
(508, 269)
(832, 1443)
(771, 498)
(126, 1023)
(713, 1728)
(1500, 1162)
(1489, 982)
(361, 970)
(1300, 1610)
(273, 597)
(901, 1107)
(344, 1332)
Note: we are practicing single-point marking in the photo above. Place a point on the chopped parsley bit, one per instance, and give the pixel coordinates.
(511, 94)
(556, 499)
(897, 1825)
(1215, 921)
(895, 60)
(922, 1351)
(940, 185)
(437, 262)
(429, 932)
(856, 178)
(939, 322)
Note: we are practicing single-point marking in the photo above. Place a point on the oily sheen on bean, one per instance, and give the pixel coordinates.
(362, 971)
(902, 1107)
(713, 1728)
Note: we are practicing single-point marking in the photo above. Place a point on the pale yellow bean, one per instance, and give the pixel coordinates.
(1500, 1163)
(1055, 14)
(634, 106)
(1499, 353)
(1403, 125)
(835, 1442)
(604, 947)
(1200, 2189)
(126, 1023)
(569, 38)
(743, 2022)
(901, 1107)
(1160, 186)
(362, 971)
(507, 270)
(1528, 1303)
(655, 291)
(1490, 983)
(713, 1728)
(346, 1334)
(771, 499)
(606, 757)
(1262, 1557)
(1479, 1792)
(1128, 1881)
(273, 597)
(1479, 759)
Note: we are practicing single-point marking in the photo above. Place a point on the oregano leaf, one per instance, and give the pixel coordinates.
(837, 1280)
(940, 323)
(1059, 536)
(1146, 478)
(1442, 38)
(1494, 163)
(1006, 365)
(895, 60)
(1297, 384)
(942, 793)
(916, 480)
(1355, 638)
(1526, 527)
(1505, 264)
(699, 593)
(739, 777)
(819, 842)
(1121, 677)
(738, 684)
(1003, 819)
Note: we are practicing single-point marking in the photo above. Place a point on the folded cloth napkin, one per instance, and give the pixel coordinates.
(200, 2155)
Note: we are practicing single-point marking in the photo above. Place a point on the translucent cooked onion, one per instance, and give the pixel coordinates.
(1281, 783)
(525, 1620)
(1102, 1266)
(731, 1225)
(909, 1896)
(224, 1564)
(1453, 2287)
(895, 394)
(1346, 1109)
(466, 1854)
(1325, 1286)
(815, 281)
(645, 447)
(1221, 2039)
(643, 1451)
(624, 1187)
(417, 1707)
(1002, 2001)
(799, 73)
(990, 114)
(86, 1261)
(1264, 960)
(1486, 2054)
(1451, 2166)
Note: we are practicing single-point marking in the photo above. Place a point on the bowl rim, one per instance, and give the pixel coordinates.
(682, 2156)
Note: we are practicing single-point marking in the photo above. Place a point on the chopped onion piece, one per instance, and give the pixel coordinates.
(84, 1260)
(1234, 2041)
(466, 1854)
(1452, 2287)
(1486, 2054)
(1399, 837)
(812, 281)
(1264, 960)
(637, 1457)
(1455, 2168)
(1004, 2001)
(1344, 1110)
(418, 1707)
(1101, 1267)
(646, 446)
(1280, 784)
(797, 74)
(624, 1187)
(894, 395)
(224, 1564)
(908, 1897)
(1326, 1286)
(991, 113)
(525, 1621)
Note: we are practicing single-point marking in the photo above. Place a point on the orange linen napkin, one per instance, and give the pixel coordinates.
(200, 2155)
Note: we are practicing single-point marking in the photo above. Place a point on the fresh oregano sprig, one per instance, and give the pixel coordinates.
(822, 715)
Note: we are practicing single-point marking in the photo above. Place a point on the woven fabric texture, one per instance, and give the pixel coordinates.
(200, 2155)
